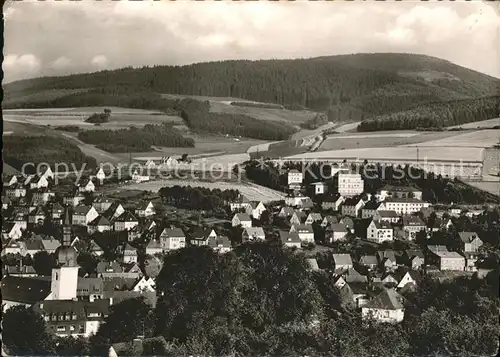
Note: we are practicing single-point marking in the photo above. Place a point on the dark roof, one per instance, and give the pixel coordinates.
(403, 200)
(108, 267)
(467, 237)
(287, 237)
(388, 214)
(414, 253)
(399, 188)
(112, 284)
(381, 224)
(172, 232)
(79, 307)
(332, 197)
(351, 201)
(342, 259)
(386, 254)
(219, 241)
(353, 276)
(371, 205)
(34, 244)
(24, 290)
(331, 219)
(100, 221)
(368, 260)
(412, 221)
(388, 299)
(303, 228)
(87, 286)
(337, 227)
(243, 217)
(127, 216)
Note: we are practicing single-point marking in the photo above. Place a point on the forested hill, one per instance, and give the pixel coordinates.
(356, 87)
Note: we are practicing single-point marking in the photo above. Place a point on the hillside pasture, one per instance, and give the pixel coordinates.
(251, 191)
(471, 139)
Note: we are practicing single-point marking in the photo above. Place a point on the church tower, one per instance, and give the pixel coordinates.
(65, 275)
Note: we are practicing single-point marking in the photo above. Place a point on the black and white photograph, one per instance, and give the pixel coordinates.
(250, 178)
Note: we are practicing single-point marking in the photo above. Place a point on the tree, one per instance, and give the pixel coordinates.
(24, 332)
(87, 263)
(43, 263)
(72, 346)
(127, 320)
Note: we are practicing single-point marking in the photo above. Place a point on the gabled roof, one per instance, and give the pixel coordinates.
(254, 231)
(371, 205)
(100, 221)
(381, 224)
(414, 221)
(32, 244)
(154, 244)
(315, 216)
(143, 205)
(387, 214)
(331, 219)
(87, 286)
(414, 253)
(287, 237)
(82, 210)
(57, 207)
(388, 299)
(468, 237)
(386, 254)
(108, 267)
(337, 227)
(294, 171)
(306, 203)
(127, 216)
(103, 199)
(38, 212)
(303, 228)
(254, 204)
(287, 210)
(368, 260)
(129, 250)
(313, 263)
(347, 221)
(219, 241)
(243, 217)
(352, 201)
(112, 284)
(51, 244)
(172, 232)
(353, 276)
(342, 259)
(24, 290)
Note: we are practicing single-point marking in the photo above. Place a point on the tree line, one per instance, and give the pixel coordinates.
(436, 115)
(262, 299)
(19, 150)
(198, 198)
(136, 139)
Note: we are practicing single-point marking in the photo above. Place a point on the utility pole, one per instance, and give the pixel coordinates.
(417, 154)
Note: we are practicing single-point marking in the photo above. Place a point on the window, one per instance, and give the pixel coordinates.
(67, 316)
(73, 317)
(72, 327)
(57, 276)
(61, 328)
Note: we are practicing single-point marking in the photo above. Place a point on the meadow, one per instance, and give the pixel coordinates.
(251, 191)
(479, 124)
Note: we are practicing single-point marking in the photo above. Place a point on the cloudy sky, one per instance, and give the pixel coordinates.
(55, 38)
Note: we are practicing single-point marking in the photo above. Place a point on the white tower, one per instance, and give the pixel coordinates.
(65, 277)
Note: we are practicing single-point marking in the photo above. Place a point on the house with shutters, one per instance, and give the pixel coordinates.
(412, 225)
(241, 219)
(83, 215)
(253, 234)
(126, 221)
(290, 240)
(172, 238)
(379, 231)
(386, 307)
(145, 209)
(336, 232)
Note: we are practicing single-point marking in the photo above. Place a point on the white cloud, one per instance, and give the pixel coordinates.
(61, 63)
(27, 62)
(100, 61)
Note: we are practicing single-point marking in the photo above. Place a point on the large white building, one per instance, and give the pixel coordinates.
(295, 178)
(350, 184)
(405, 206)
(379, 231)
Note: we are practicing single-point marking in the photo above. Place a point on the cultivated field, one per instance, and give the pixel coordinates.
(480, 138)
(479, 124)
(120, 117)
(251, 191)
(397, 153)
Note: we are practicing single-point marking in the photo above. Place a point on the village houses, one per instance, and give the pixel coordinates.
(241, 219)
(379, 231)
(83, 215)
(294, 179)
(350, 184)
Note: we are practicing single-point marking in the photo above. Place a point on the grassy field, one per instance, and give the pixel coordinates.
(251, 191)
(479, 124)
(480, 138)
(398, 153)
(27, 97)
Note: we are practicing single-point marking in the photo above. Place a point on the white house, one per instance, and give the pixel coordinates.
(253, 233)
(100, 175)
(293, 200)
(411, 277)
(350, 184)
(385, 307)
(336, 232)
(172, 239)
(313, 217)
(319, 188)
(102, 204)
(241, 219)
(241, 203)
(36, 182)
(139, 177)
(379, 231)
(256, 208)
(294, 179)
(145, 209)
(11, 181)
(398, 192)
(412, 225)
(404, 206)
(73, 200)
(83, 215)
(290, 240)
(86, 186)
(371, 208)
(129, 254)
(145, 284)
(100, 224)
(305, 232)
(386, 216)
